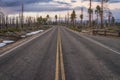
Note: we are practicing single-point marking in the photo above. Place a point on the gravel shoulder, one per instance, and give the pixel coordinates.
(18, 42)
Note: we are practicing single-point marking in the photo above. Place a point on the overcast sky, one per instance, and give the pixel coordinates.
(54, 6)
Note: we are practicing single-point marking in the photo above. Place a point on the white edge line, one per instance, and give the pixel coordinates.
(24, 43)
(102, 45)
(96, 42)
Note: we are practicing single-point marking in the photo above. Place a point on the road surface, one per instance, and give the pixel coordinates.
(62, 54)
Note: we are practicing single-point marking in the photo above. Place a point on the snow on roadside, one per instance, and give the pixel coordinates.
(2, 44)
(35, 32)
(32, 33)
(23, 36)
(5, 42)
(8, 41)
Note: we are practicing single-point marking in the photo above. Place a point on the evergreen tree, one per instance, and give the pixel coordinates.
(97, 12)
(81, 16)
(73, 17)
(90, 11)
(56, 17)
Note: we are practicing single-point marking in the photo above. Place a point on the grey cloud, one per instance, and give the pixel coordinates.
(68, 4)
(11, 3)
(47, 8)
(111, 1)
(73, 1)
(114, 1)
(42, 7)
(79, 8)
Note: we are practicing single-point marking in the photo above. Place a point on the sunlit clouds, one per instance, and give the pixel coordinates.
(52, 7)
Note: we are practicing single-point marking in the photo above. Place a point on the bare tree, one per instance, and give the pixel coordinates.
(22, 15)
(89, 11)
(113, 20)
(48, 19)
(6, 22)
(73, 17)
(1, 20)
(68, 16)
(56, 17)
(81, 16)
(97, 12)
(101, 12)
(17, 22)
(109, 18)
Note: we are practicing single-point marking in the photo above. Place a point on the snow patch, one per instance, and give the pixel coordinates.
(2, 44)
(8, 41)
(23, 36)
(31, 33)
(35, 32)
(5, 42)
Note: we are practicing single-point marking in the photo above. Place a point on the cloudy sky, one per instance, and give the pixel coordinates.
(52, 7)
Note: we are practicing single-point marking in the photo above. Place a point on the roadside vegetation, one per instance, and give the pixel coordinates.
(12, 28)
(97, 21)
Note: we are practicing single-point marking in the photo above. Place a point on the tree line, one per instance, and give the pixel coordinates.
(99, 22)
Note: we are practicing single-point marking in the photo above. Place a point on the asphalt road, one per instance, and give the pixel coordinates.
(62, 54)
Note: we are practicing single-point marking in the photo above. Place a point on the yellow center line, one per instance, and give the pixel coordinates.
(59, 59)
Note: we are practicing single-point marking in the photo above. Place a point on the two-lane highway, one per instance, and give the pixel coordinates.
(62, 54)
(32, 61)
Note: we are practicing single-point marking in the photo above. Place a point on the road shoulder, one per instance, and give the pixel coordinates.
(21, 41)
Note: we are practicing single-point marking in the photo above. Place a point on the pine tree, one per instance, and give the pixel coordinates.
(97, 12)
(101, 12)
(48, 17)
(73, 17)
(89, 12)
(56, 17)
(81, 16)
